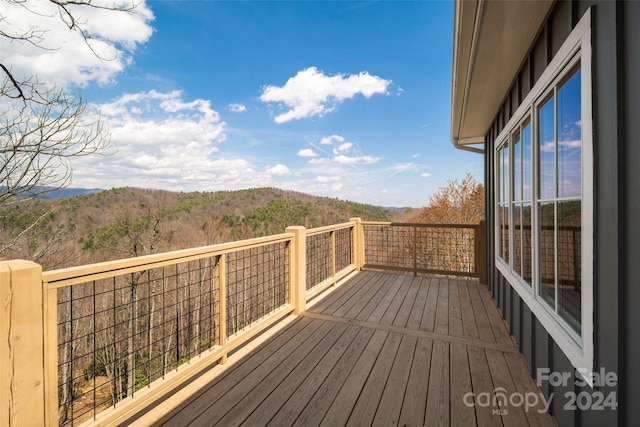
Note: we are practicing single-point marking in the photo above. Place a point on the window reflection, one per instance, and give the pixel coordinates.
(569, 262)
(526, 243)
(517, 240)
(547, 252)
(517, 166)
(547, 149)
(526, 162)
(569, 138)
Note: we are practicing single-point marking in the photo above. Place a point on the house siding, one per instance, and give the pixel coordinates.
(631, 320)
(616, 93)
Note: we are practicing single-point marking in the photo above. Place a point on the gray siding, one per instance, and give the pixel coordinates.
(616, 98)
(631, 321)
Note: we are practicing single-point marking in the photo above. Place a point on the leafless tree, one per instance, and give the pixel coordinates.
(42, 125)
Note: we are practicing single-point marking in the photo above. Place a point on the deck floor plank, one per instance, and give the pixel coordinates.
(383, 349)
(468, 318)
(295, 368)
(365, 292)
(429, 316)
(415, 396)
(485, 332)
(512, 414)
(343, 386)
(482, 383)
(278, 397)
(442, 308)
(393, 309)
(519, 370)
(258, 378)
(437, 411)
(498, 324)
(462, 414)
(375, 292)
(417, 311)
(368, 402)
(402, 317)
(285, 341)
(342, 294)
(456, 328)
(388, 298)
(390, 406)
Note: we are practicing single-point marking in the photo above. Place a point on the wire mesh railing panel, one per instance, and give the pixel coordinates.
(570, 256)
(388, 246)
(343, 248)
(421, 248)
(446, 249)
(257, 284)
(117, 335)
(318, 259)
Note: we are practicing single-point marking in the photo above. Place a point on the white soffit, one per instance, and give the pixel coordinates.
(491, 39)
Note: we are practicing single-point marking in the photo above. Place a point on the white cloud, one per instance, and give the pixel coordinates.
(312, 93)
(415, 156)
(307, 152)
(570, 144)
(63, 58)
(318, 161)
(237, 108)
(325, 179)
(162, 141)
(278, 170)
(329, 140)
(346, 153)
(356, 159)
(425, 174)
(343, 148)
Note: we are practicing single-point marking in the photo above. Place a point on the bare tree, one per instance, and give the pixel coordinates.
(43, 126)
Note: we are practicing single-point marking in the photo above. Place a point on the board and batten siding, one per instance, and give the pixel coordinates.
(616, 125)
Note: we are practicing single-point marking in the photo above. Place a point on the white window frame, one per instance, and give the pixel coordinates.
(579, 348)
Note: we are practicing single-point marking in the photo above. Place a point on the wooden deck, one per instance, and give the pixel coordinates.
(382, 349)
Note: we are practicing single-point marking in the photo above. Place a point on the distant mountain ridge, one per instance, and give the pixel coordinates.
(69, 192)
(81, 226)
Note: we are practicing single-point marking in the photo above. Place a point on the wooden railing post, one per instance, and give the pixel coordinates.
(298, 268)
(481, 251)
(358, 243)
(23, 361)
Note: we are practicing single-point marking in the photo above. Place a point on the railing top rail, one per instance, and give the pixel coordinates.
(85, 273)
(319, 230)
(417, 224)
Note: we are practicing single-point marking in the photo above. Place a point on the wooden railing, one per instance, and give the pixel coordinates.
(442, 249)
(98, 343)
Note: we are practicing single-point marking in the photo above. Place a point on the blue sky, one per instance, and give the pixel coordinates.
(332, 98)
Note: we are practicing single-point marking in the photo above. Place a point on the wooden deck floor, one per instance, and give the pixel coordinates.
(382, 349)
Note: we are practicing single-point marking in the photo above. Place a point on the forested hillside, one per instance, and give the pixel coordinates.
(127, 222)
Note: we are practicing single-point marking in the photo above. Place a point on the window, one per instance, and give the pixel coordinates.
(559, 199)
(503, 202)
(544, 203)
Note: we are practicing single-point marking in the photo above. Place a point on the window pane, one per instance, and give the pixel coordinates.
(526, 162)
(517, 239)
(504, 233)
(547, 253)
(517, 165)
(505, 177)
(547, 150)
(569, 138)
(526, 243)
(569, 262)
(501, 174)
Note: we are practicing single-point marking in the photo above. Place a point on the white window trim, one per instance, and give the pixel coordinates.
(578, 349)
